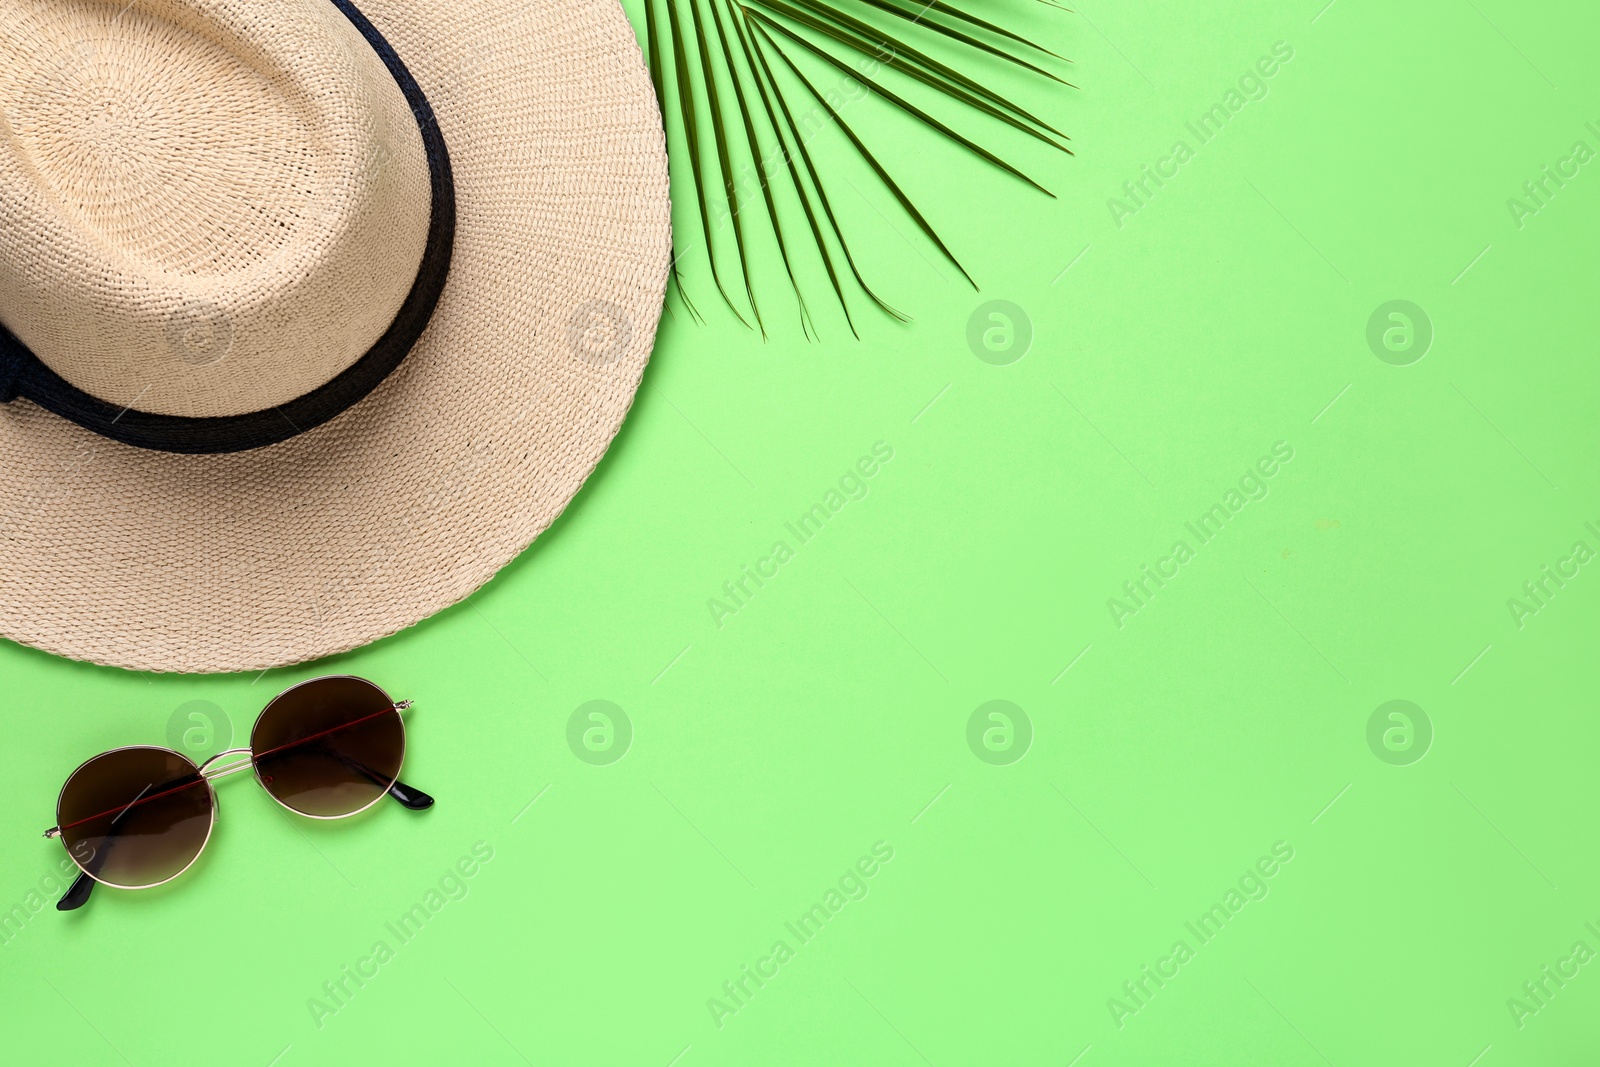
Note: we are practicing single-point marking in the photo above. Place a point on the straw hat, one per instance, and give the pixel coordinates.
(313, 317)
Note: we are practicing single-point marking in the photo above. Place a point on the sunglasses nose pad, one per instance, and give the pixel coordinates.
(415, 799)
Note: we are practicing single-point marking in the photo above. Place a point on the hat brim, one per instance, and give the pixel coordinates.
(414, 498)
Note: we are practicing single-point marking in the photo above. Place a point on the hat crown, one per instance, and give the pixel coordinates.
(207, 207)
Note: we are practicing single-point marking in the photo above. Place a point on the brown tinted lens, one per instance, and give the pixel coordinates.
(135, 817)
(329, 747)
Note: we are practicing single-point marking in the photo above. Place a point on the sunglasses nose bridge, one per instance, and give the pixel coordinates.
(211, 774)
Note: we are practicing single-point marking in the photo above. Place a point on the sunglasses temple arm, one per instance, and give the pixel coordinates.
(411, 797)
(77, 895)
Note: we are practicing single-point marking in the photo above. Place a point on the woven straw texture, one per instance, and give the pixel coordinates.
(254, 221)
(416, 496)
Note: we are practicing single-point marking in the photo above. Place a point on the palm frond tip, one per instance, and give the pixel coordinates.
(699, 50)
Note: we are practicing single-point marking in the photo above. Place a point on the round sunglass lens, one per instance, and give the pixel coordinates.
(329, 747)
(135, 817)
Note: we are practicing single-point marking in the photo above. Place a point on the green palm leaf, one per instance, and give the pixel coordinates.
(751, 47)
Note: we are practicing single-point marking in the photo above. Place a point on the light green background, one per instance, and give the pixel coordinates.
(830, 713)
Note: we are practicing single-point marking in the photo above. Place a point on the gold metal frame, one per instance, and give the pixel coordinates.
(210, 776)
(398, 705)
(55, 831)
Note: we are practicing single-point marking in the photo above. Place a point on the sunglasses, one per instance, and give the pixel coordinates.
(138, 817)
